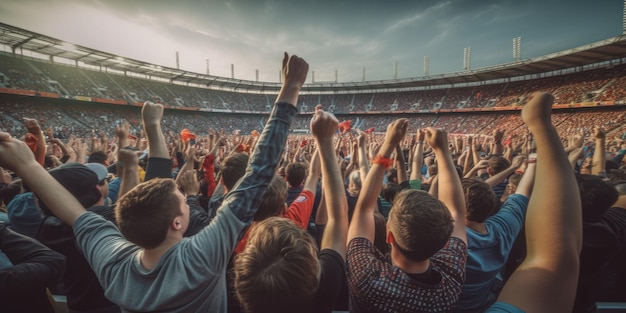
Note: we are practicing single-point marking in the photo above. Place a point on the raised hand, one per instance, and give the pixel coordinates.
(188, 182)
(152, 113)
(395, 132)
(437, 138)
(294, 70)
(536, 113)
(598, 132)
(14, 154)
(323, 124)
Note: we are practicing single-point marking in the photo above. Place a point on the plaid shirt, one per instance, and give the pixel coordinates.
(378, 286)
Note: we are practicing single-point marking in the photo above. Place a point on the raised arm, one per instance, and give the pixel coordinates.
(525, 185)
(313, 178)
(128, 161)
(401, 165)
(323, 127)
(598, 166)
(364, 165)
(16, 156)
(500, 177)
(418, 156)
(362, 224)
(546, 281)
(244, 199)
(450, 191)
(159, 158)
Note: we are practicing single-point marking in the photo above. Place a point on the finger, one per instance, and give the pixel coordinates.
(285, 59)
(5, 137)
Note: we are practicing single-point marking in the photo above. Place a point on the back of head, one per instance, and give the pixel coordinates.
(390, 190)
(98, 157)
(233, 168)
(421, 225)
(355, 180)
(273, 200)
(479, 198)
(596, 195)
(278, 270)
(145, 213)
(497, 164)
(295, 173)
(79, 180)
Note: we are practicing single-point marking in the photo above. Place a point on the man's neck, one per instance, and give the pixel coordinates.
(407, 266)
(151, 257)
(477, 227)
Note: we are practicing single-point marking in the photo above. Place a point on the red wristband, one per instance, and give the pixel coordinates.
(382, 161)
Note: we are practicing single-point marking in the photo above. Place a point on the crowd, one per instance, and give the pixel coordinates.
(158, 210)
(605, 84)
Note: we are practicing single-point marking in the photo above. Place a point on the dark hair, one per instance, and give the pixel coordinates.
(390, 190)
(480, 199)
(273, 200)
(421, 225)
(295, 173)
(596, 196)
(233, 168)
(278, 270)
(97, 157)
(145, 213)
(498, 164)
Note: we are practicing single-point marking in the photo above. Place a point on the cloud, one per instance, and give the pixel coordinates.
(416, 18)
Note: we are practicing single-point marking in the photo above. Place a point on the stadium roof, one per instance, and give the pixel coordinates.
(602, 51)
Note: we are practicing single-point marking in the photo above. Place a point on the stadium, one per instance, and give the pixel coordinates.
(588, 80)
(89, 102)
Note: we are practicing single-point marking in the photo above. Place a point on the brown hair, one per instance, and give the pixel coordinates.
(480, 199)
(295, 173)
(420, 224)
(278, 270)
(273, 200)
(233, 168)
(145, 213)
(498, 164)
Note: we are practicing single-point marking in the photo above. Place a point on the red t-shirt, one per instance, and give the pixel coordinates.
(299, 212)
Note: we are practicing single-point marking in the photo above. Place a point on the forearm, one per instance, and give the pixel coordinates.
(500, 177)
(525, 185)
(130, 179)
(335, 199)
(599, 158)
(450, 189)
(573, 157)
(472, 173)
(156, 140)
(400, 165)
(60, 201)
(245, 199)
(363, 218)
(314, 173)
(363, 162)
(418, 160)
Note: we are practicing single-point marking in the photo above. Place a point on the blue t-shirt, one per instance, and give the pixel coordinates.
(487, 253)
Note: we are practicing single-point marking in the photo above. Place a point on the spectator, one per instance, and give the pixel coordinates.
(35, 268)
(428, 257)
(128, 270)
(280, 269)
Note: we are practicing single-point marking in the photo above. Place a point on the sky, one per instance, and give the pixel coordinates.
(334, 36)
